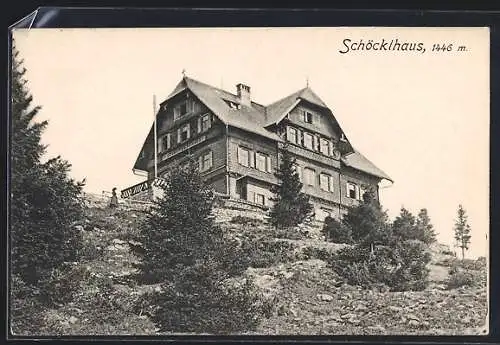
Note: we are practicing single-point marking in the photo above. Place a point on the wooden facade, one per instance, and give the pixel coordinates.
(236, 143)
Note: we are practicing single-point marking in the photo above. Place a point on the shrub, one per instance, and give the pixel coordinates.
(245, 220)
(460, 278)
(62, 284)
(448, 252)
(290, 234)
(317, 253)
(401, 267)
(259, 253)
(226, 310)
(25, 310)
(337, 232)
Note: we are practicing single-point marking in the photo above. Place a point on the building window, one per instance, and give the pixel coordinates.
(309, 176)
(165, 142)
(292, 135)
(206, 122)
(352, 190)
(324, 147)
(260, 161)
(260, 199)
(205, 161)
(181, 109)
(326, 182)
(308, 141)
(308, 117)
(343, 138)
(243, 156)
(184, 133)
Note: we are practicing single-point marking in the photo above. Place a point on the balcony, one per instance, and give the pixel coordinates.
(182, 147)
(303, 152)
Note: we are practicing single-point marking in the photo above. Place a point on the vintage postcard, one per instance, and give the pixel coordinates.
(264, 181)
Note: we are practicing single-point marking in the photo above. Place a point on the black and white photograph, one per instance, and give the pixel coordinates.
(249, 181)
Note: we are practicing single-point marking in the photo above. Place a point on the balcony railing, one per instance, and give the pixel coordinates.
(183, 147)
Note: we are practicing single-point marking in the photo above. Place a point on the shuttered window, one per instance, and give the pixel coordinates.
(292, 135)
(243, 156)
(268, 164)
(309, 176)
(324, 147)
(205, 161)
(326, 182)
(308, 141)
(315, 143)
(260, 161)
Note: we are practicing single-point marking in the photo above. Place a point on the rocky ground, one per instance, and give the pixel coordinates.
(309, 298)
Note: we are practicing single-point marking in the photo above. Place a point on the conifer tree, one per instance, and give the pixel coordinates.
(368, 222)
(44, 199)
(291, 206)
(462, 230)
(425, 227)
(408, 227)
(187, 253)
(403, 227)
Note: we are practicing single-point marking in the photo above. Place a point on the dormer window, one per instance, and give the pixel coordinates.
(233, 105)
(308, 117)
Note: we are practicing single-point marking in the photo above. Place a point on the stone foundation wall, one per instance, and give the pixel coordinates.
(227, 208)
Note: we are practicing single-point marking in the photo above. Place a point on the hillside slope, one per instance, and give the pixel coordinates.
(309, 298)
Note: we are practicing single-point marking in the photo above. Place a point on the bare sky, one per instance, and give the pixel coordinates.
(423, 118)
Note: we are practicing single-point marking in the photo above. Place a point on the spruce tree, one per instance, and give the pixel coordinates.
(403, 227)
(291, 206)
(425, 227)
(462, 230)
(368, 222)
(187, 253)
(45, 201)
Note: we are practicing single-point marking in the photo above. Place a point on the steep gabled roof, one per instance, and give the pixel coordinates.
(251, 118)
(256, 117)
(276, 111)
(357, 161)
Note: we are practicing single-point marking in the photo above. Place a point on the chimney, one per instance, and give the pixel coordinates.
(243, 92)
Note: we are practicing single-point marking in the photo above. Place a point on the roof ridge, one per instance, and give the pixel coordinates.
(298, 92)
(219, 89)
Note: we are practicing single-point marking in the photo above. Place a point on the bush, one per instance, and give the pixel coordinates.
(337, 232)
(226, 310)
(460, 278)
(62, 284)
(290, 234)
(245, 220)
(260, 253)
(401, 267)
(25, 310)
(309, 253)
(448, 252)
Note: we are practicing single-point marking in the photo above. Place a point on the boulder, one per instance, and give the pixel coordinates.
(325, 297)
